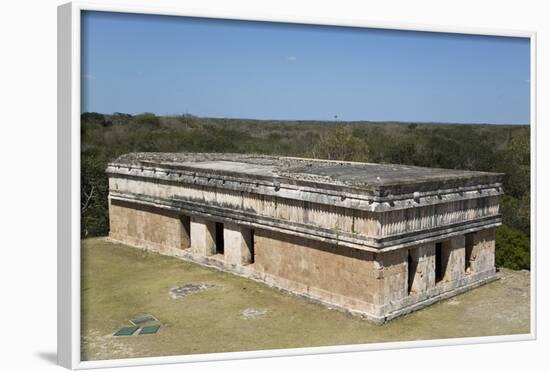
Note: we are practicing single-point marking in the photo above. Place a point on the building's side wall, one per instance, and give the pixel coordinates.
(341, 276)
(153, 228)
(408, 276)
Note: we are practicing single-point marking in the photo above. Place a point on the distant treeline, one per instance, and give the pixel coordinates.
(497, 148)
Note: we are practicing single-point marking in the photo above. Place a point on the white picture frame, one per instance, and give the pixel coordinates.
(69, 76)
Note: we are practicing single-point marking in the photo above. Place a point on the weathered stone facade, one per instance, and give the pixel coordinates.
(377, 240)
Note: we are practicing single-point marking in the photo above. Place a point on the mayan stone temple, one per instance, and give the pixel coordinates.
(378, 240)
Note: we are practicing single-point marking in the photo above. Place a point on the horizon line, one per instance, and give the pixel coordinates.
(314, 120)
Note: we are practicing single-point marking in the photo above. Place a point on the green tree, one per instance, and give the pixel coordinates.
(147, 119)
(512, 248)
(339, 143)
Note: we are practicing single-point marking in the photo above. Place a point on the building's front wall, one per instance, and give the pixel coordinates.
(378, 284)
(344, 277)
(143, 226)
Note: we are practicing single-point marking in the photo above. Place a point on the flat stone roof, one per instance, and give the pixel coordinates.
(378, 178)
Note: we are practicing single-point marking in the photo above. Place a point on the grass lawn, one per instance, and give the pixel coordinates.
(120, 283)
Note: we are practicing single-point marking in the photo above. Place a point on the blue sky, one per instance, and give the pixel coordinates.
(237, 69)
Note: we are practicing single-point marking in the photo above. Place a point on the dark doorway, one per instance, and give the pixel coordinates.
(439, 271)
(219, 238)
(186, 238)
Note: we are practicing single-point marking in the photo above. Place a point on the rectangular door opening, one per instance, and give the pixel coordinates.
(439, 271)
(411, 269)
(186, 231)
(219, 238)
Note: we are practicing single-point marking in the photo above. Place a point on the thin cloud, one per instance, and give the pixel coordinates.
(89, 76)
(291, 58)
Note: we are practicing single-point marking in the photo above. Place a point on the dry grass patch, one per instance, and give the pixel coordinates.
(120, 283)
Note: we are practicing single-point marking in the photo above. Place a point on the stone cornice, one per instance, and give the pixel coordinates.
(380, 182)
(379, 200)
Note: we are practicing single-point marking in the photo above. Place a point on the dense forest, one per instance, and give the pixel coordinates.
(497, 148)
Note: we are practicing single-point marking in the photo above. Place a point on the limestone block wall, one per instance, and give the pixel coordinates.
(342, 276)
(153, 228)
(376, 284)
(393, 277)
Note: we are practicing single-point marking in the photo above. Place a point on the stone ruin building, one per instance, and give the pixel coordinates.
(379, 240)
